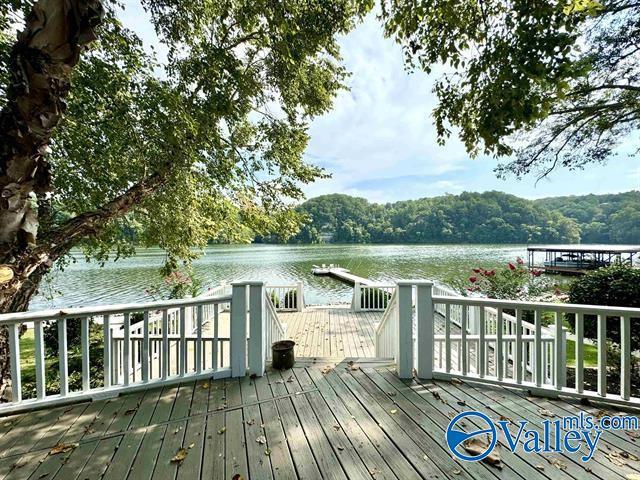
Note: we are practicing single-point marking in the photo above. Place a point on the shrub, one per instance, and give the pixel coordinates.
(514, 281)
(371, 297)
(617, 285)
(288, 302)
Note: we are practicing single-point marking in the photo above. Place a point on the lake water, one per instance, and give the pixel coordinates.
(83, 283)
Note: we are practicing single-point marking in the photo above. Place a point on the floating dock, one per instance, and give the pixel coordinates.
(339, 273)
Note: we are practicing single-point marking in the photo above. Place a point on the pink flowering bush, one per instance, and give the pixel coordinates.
(176, 284)
(514, 281)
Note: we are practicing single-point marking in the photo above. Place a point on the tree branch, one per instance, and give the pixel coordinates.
(41, 62)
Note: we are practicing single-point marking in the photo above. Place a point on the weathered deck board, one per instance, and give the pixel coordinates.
(335, 332)
(353, 421)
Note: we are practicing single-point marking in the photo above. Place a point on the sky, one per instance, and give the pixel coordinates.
(379, 141)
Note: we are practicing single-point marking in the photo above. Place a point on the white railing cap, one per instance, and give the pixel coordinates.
(247, 282)
(563, 307)
(427, 283)
(109, 309)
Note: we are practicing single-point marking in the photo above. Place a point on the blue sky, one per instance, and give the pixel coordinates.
(379, 141)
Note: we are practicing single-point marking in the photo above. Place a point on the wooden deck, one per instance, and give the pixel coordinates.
(316, 421)
(332, 331)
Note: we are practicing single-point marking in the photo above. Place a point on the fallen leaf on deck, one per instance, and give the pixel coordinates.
(290, 379)
(560, 465)
(539, 467)
(191, 445)
(131, 410)
(237, 476)
(393, 411)
(250, 422)
(462, 403)
(616, 459)
(632, 433)
(261, 439)
(632, 476)
(456, 472)
(456, 381)
(267, 452)
(62, 448)
(546, 413)
(628, 456)
(222, 407)
(476, 446)
(180, 456)
(326, 370)
(205, 385)
(336, 427)
(222, 430)
(340, 447)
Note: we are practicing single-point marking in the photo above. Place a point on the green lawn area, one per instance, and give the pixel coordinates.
(590, 354)
(28, 358)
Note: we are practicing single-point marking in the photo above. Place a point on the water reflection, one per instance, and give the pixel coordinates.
(83, 283)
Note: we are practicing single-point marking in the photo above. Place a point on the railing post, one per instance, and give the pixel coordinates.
(425, 329)
(257, 329)
(14, 347)
(563, 356)
(404, 359)
(299, 297)
(238, 329)
(357, 297)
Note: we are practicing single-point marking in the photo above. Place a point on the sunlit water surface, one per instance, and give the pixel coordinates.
(83, 283)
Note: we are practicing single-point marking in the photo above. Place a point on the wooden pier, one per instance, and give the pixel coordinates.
(339, 273)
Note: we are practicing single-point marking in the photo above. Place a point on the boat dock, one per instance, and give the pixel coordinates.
(339, 273)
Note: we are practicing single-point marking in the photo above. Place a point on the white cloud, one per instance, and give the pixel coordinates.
(380, 142)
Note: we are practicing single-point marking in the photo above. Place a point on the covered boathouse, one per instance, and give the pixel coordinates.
(578, 259)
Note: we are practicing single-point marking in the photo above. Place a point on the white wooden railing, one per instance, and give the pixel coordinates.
(275, 330)
(499, 350)
(161, 349)
(287, 298)
(387, 329)
(456, 316)
(371, 296)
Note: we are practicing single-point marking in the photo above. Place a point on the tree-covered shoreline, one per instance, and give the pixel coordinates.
(489, 217)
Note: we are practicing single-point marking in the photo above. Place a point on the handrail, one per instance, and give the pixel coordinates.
(372, 296)
(387, 330)
(273, 317)
(289, 298)
(19, 317)
(385, 316)
(169, 345)
(547, 306)
(505, 350)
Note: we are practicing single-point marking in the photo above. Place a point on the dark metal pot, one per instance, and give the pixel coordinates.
(283, 357)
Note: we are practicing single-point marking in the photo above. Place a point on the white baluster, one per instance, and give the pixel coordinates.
(84, 347)
(16, 376)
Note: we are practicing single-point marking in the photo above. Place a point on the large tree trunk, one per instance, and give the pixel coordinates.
(41, 63)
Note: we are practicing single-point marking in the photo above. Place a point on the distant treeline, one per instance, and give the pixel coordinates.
(489, 217)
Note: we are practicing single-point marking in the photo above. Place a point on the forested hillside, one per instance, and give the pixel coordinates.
(611, 218)
(489, 217)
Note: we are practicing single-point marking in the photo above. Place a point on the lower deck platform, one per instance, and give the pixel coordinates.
(353, 419)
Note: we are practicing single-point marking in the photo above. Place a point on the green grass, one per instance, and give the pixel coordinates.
(28, 357)
(590, 354)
